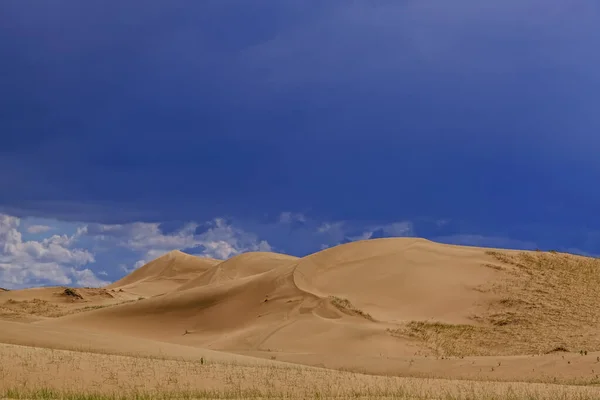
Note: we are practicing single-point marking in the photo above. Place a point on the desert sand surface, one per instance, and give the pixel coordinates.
(385, 318)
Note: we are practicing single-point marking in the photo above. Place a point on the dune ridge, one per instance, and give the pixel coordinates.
(240, 266)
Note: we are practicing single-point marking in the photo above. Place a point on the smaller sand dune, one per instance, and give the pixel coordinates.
(233, 312)
(30, 305)
(164, 274)
(57, 294)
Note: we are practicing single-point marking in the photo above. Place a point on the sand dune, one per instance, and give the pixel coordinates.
(35, 304)
(393, 281)
(164, 274)
(400, 306)
(405, 296)
(396, 280)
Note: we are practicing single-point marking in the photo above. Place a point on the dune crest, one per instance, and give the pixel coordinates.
(398, 280)
(240, 266)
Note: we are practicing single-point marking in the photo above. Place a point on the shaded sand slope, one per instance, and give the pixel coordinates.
(160, 276)
(71, 338)
(232, 314)
(241, 266)
(164, 274)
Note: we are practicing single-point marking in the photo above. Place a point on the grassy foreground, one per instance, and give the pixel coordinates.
(48, 394)
(37, 373)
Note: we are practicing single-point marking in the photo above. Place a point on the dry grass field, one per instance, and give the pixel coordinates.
(39, 373)
(386, 318)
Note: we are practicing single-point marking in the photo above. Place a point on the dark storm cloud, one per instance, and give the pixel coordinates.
(373, 110)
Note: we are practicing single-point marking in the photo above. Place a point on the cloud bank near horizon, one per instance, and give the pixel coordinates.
(91, 254)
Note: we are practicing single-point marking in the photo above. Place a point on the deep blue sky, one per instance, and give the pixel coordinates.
(485, 115)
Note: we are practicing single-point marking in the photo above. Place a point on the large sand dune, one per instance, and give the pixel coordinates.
(389, 306)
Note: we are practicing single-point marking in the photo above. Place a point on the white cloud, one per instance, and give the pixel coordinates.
(38, 228)
(127, 270)
(312, 235)
(395, 229)
(87, 278)
(485, 241)
(50, 261)
(288, 217)
(328, 227)
(221, 240)
(404, 228)
(338, 232)
(363, 236)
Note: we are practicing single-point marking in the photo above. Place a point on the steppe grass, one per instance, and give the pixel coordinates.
(545, 300)
(44, 308)
(36, 373)
(345, 306)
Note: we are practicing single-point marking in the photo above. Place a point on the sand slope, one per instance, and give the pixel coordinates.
(164, 274)
(35, 304)
(240, 266)
(398, 280)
